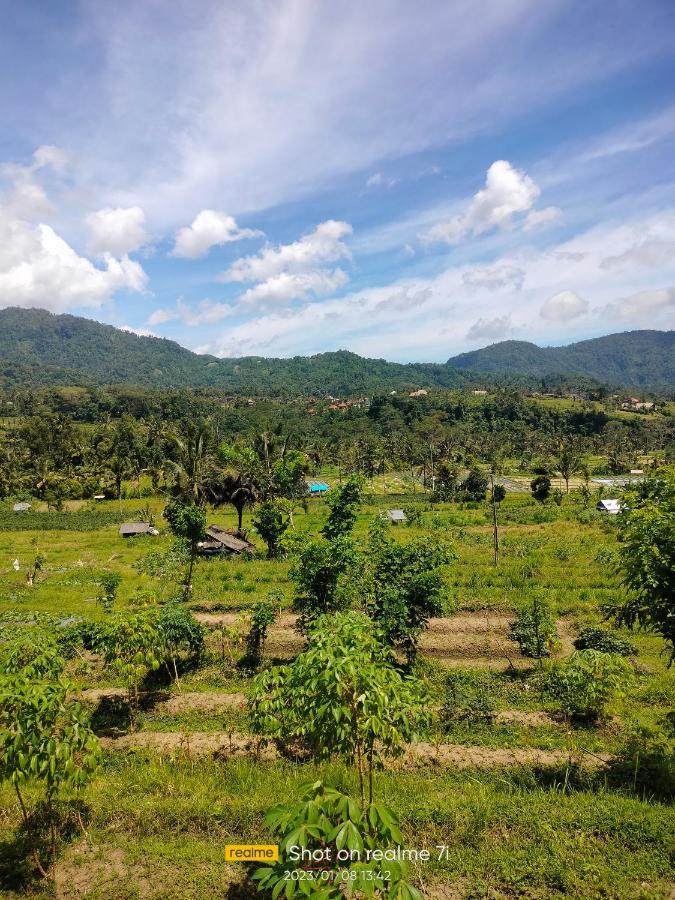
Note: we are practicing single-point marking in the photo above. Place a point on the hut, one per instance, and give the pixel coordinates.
(220, 541)
(21, 507)
(316, 488)
(396, 516)
(613, 507)
(133, 529)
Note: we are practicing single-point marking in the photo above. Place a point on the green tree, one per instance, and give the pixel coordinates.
(343, 504)
(568, 463)
(587, 681)
(263, 615)
(189, 524)
(541, 487)
(180, 632)
(647, 558)
(343, 696)
(109, 582)
(240, 482)
(317, 571)
(271, 525)
(475, 485)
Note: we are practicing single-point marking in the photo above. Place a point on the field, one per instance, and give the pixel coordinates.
(527, 805)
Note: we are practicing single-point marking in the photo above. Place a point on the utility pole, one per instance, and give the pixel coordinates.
(495, 529)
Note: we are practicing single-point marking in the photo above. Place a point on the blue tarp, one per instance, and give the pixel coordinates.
(317, 487)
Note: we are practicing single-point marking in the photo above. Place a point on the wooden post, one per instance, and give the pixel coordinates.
(495, 529)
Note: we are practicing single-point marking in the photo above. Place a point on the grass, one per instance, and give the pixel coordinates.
(158, 825)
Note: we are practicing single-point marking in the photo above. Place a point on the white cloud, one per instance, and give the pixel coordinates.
(495, 278)
(38, 268)
(507, 191)
(49, 156)
(536, 218)
(209, 229)
(27, 198)
(287, 286)
(647, 253)
(489, 329)
(141, 332)
(207, 312)
(638, 307)
(116, 231)
(293, 271)
(563, 307)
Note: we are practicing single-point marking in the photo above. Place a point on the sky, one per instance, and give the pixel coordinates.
(403, 180)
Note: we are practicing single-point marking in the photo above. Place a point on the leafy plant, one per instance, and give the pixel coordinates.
(342, 696)
(349, 837)
(586, 682)
(593, 638)
(108, 583)
(317, 571)
(263, 615)
(181, 632)
(271, 526)
(188, 523)
(540, 487)
(343, 505)
(534, 629)
(468, 700)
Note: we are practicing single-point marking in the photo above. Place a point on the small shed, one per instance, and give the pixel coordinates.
(99, 497)
(613, 507)
(317, 487)
(396, 516)
(221, 541)
(133, 529)
(21, 507)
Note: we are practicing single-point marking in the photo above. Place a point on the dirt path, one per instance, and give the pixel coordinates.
(225, 746)
(189, 701)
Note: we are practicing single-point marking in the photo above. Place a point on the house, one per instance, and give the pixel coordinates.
(637, 471)
(99, 497)
(316, 487)
(613, 507)
(221, 541)
(479, 393)
(133, 529)
(420, 393)
(395, 516)
(21, 507)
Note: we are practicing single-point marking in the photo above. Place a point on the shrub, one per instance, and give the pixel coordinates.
(540, 487)
(586, 682)
(534, 629)
(262, 616)
(647, 759)
(468, 699)
(593, 638)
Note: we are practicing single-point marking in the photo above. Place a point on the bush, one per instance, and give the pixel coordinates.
(586, 682)
(647, 760)
(468, 700)
(593, 638)
(534, 629)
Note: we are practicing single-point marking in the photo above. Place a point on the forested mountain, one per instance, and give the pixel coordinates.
(39, 348)
(636, 358)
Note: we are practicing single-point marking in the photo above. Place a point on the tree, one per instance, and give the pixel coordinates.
(108, 582)
(344, 504)
(271, 526)
(342, 696)
(406, 587)
(189, 524)
(475, 485)
(568, 463)
(534, 629)
(316, 572)
(263, 615)
(541, 487)
(241, 481)
(44, 736)
(647, 558)
(180, 632)
(193, 463)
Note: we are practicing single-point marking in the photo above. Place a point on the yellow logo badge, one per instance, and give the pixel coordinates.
(251, 853)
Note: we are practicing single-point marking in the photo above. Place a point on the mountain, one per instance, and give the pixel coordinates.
(38, 348)
(632, 358)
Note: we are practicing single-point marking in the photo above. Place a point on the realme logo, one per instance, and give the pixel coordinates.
(251, 853)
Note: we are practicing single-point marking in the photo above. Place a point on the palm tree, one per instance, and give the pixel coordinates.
(193, 464)
(241, 481)
(568, 463)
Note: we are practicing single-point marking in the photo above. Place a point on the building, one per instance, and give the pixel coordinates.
(221, 541)
(21, 507)
(613, 507)
(420, 393)
(316, 488)
(396, 516)
(133, 529)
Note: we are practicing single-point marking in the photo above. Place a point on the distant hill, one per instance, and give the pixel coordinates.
(632, 358)
(38, 348)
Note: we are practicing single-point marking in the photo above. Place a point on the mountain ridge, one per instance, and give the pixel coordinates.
(43, 348)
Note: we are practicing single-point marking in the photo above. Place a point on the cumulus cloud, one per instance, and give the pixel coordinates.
(141, 332)
(293, 271)
(207, 312)
(209, 229)
(563, 307)
(495, 278)
(652, 253)
(117, 231)
(494, 329)
(404, 299)
(507, 191)
(38, 268)
(27, 198)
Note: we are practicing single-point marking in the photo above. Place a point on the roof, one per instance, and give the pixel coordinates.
(317, 487)
(130, 529)
(225, 540)
(396, 515)
(612, 506)
(21, 507)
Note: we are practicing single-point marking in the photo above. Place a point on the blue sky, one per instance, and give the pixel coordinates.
(407, 181)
